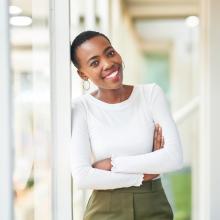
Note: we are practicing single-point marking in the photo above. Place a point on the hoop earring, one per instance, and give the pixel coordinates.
(88, 84)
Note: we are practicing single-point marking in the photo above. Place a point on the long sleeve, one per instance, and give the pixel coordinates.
(84, 175)
(164, 160)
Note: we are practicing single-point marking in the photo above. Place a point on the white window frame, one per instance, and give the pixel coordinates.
(6, 155)
(60, 108)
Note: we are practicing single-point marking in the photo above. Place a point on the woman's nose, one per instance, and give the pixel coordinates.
(107, 64)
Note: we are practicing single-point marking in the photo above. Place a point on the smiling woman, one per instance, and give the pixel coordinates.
(117, 144)
(97, 60)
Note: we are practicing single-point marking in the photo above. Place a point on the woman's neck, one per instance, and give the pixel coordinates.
(113, 95)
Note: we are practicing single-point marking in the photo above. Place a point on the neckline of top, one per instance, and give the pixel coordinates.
(114, 105)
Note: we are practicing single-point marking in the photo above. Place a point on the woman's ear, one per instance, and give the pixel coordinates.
(82, 75)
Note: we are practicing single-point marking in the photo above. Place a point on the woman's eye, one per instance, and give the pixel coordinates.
(111, 53)
(95, 63)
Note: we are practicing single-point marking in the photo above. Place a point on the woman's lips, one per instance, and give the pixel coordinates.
(112, 71)
(112, 75)
(115, 76)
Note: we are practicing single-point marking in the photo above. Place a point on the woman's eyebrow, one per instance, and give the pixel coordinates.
(104, 51)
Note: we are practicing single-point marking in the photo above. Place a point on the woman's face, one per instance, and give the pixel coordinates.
(98, 59)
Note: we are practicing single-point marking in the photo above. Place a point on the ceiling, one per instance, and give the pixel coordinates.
(137, 9)
(154, 9)
(167, 12)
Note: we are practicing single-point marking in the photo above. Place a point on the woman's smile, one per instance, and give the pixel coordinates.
(114, 76)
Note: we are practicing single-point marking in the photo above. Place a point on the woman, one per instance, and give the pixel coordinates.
(117, 146)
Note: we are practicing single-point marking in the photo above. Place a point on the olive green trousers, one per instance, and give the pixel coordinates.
(145, 202)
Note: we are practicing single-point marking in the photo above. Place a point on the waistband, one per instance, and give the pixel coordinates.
(147, 186)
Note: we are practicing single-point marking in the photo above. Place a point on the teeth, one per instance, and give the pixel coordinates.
(112, 75)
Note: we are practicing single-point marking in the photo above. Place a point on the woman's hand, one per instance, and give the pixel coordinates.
(104, 164)
(158, 144)
(148, 177)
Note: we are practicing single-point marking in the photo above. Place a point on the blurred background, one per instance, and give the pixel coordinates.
(159, 41)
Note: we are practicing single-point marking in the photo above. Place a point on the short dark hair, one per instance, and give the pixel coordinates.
(79, 39)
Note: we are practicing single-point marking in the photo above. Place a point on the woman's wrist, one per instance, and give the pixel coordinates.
(148, 177)
(104, 164)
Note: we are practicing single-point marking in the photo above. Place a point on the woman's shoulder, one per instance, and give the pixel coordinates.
(77, 102)
(149, 86)
(150, 89)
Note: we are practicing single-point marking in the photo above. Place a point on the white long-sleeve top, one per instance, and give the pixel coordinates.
(123, 132)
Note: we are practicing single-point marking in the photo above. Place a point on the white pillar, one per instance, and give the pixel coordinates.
(60, 109)
(6, 155)
(214, 90)
(103, 11)
(208, 199)
(90, 13)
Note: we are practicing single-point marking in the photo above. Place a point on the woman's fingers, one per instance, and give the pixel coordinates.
(155, 135)
(163, 142)
(158, 138)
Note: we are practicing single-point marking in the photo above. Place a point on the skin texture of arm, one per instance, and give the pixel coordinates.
(163, 160)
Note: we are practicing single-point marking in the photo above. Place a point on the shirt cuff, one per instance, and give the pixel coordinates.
(140, 177)
(113, 163)
(117, 164)
(140, 180)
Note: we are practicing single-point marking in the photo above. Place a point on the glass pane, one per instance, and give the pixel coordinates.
(31, 99)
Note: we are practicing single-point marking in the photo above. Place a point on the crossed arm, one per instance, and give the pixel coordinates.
(158, 143)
